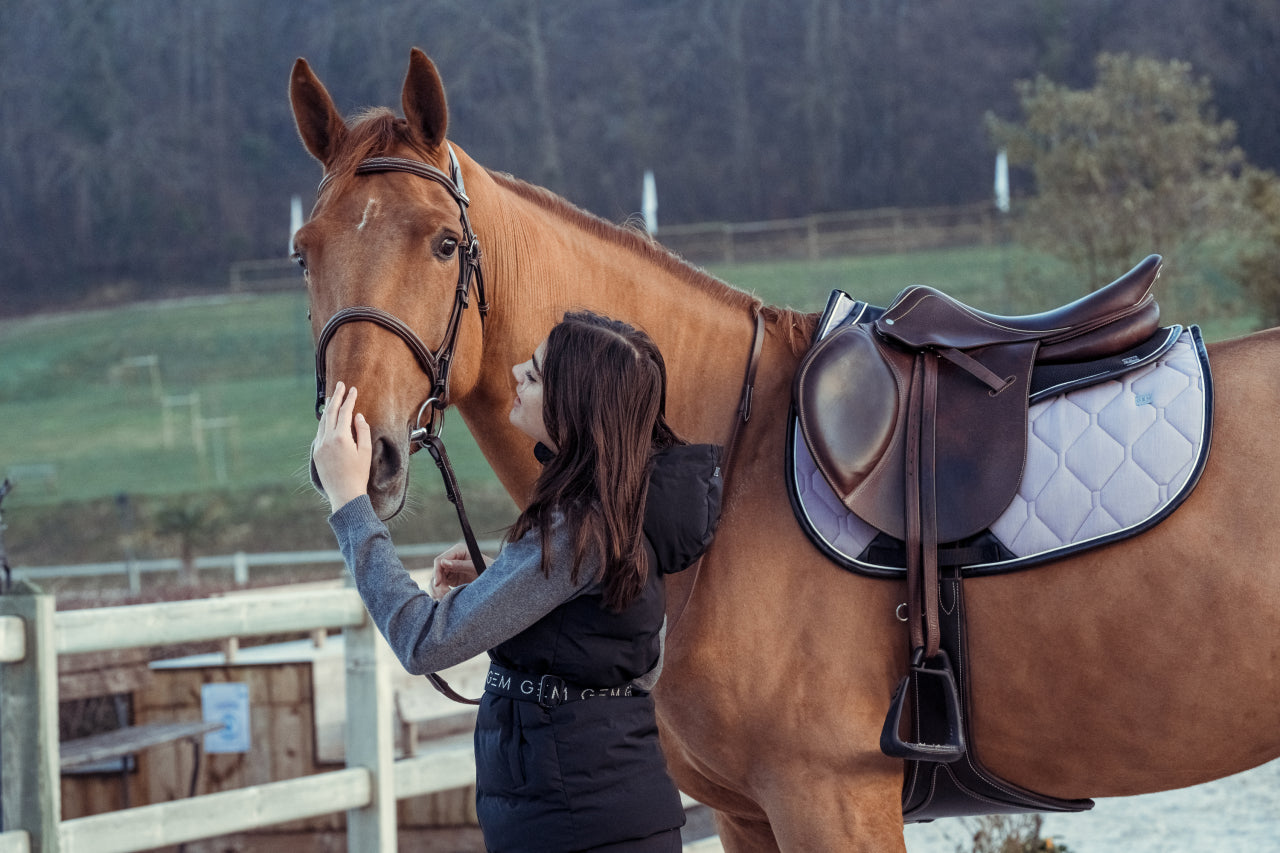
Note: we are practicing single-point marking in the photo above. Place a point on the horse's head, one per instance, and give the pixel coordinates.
(389, 259)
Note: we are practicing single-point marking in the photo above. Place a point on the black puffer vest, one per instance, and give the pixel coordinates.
(591, 772)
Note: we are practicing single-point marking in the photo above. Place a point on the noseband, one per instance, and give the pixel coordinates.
(434, 364)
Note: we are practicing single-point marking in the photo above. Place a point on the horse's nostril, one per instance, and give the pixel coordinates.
(387, 461)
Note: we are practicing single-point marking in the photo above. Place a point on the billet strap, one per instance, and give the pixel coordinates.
(922, 505)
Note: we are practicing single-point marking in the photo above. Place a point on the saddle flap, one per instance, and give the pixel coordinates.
(851, 392)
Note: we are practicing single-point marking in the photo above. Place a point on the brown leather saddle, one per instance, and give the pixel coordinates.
(931, 447)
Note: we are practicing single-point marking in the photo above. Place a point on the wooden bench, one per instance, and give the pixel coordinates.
(126, 741)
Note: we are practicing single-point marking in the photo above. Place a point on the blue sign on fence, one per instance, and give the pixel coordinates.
(226, 703)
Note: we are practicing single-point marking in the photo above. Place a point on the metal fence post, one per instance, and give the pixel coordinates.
(370, 740)
(31, 792)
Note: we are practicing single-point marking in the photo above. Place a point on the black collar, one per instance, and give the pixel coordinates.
(543, 453)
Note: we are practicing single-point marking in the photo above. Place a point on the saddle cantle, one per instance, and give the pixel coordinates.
(918, 419)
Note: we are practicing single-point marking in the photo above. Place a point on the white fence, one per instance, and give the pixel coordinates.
(240, 564)
(33, 635)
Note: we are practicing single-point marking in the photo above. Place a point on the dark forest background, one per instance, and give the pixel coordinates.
(147, 144)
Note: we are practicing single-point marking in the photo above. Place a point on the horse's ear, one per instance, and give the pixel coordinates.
(423, 100)
(319, 122)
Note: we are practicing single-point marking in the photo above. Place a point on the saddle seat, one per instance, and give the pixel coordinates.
(1102, 323)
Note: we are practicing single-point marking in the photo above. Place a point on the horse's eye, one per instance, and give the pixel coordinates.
(299, 260)
(448, 246)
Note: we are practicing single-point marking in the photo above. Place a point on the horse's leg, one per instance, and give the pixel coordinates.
(854, 806)
(809, 807)
(774, 691)
(745, 835)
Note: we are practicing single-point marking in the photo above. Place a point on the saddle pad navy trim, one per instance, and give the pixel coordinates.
(843, 537)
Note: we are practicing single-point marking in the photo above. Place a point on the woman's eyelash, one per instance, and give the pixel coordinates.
(528, 375)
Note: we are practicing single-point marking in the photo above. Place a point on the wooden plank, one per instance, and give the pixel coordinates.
(439, 767)
(31, 796)
(218, 814)
(370, 738)
(129, 740)
(173, 622)
(13, 639)
(16, 841)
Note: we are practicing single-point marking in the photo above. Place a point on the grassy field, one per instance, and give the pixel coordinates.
(78, 399)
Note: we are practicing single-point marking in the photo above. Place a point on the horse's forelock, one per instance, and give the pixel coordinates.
(375, 132)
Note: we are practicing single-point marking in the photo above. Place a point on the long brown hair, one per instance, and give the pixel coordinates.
(604, 406)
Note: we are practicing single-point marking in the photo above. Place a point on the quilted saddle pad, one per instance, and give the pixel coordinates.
(1104, 462)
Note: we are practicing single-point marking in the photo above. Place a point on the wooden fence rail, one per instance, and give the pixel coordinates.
(240, 564)
(32, 636)
(829, 235)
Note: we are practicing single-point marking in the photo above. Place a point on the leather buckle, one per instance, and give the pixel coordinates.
(551, 692)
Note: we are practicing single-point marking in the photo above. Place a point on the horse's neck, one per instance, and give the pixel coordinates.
(540, 266)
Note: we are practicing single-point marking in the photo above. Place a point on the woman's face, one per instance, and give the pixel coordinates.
(526, 411)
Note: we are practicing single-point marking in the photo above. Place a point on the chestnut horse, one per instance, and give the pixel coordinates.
(1145, 665)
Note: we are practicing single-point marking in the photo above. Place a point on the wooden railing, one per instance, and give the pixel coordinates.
(32, 636)
(240, 564)
(829, 235)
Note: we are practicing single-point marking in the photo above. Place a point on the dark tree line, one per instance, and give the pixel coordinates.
(146, 144)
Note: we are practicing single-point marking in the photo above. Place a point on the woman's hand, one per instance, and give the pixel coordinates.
(450, 569)
(343, 450)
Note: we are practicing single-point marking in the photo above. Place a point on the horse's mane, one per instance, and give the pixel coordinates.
(377, 131)
(796, 326)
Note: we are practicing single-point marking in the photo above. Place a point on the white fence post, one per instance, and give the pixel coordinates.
(31, 798)
(370, 741)
(240, 568)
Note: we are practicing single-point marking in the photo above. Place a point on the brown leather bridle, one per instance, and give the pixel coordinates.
(434, 364)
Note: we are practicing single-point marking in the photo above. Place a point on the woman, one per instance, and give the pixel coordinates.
(572, 609)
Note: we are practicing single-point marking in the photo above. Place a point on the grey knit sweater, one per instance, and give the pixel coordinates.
(427, 635)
